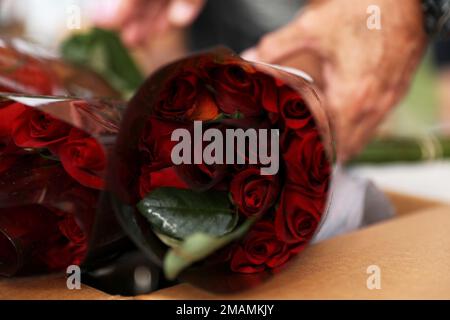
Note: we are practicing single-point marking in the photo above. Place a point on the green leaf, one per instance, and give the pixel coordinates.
(103, 52)
(179, 213)
(197, 247)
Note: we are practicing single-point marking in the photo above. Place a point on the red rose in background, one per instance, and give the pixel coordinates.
(37, 129)
(307, 164)
(83, 159)
(150, 180)
(48, 238)
(24, 74)
(76, 247)
(71, 230)
(297, 216)
(236, 89)
(9, 112)
(254, 193)
(260, 249)
(293, 110)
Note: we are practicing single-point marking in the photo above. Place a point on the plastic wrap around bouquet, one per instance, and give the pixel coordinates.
(218, 170)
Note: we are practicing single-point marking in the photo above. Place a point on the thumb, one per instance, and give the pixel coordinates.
(182, 13)
(277, 46)
(297, 44)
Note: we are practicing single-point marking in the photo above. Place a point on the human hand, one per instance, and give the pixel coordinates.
(137, 19)
(363, 72)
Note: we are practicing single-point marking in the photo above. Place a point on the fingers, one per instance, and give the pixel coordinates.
(139, 19)
(146, 23)
(182, 13)
(298, 44)
(278, 46)
(114, 13)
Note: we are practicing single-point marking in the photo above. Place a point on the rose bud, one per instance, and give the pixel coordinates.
(9, 112)
(236, 90)
(37, 129)
(205, 107)
(179, 96)
(297, 216)
(83, 159)
(201, 177)
(155, 143)
(254, 193)
(269, 93)
(293, 110)
(75, 238)
(260, 249)
(307, 164)
(71, 230)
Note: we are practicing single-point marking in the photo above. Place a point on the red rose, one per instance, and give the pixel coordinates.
(9, 112)
(307, 164)
(83, 159)
(25, 74)
(76, 248)
(178, 98)
(60, 255)
(201, 177)
(37, 129)
(71, 230)
(44, 234)
(236, 89)
(293, 110)
(155, 143)
(269, 93)
(298, 215)
(254, 193)
(150, 180)
(260, 249)
(205, 107)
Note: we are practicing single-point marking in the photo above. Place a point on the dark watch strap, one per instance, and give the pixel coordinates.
(437, 17)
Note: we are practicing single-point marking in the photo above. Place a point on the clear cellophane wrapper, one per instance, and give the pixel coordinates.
(286, 101)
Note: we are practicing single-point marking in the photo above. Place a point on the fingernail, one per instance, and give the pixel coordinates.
(250, 54)
(181, 13)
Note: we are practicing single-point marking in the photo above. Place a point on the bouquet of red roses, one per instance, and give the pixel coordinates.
(217, 169)
(227, 164)
(53, 159)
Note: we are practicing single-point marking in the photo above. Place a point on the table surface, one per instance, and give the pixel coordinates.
(411, 250)
(412, 253)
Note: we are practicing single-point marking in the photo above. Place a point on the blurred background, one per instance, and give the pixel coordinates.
(422, 115)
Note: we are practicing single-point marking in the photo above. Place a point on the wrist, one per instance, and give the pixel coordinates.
(437, 17)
